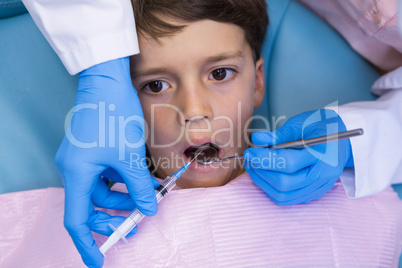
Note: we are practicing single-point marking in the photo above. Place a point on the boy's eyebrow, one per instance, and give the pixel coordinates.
(149, 72)
(224, 56)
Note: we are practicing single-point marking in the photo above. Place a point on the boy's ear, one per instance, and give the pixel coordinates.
(259, 88)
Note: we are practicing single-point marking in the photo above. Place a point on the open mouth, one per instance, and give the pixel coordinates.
(206, 152)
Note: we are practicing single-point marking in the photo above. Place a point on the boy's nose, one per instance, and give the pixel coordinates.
(195, 104)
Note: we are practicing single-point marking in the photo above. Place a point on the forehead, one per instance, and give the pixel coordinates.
(197, 42)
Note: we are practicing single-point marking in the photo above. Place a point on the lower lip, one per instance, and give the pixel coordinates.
(204, 168)
(197, 167)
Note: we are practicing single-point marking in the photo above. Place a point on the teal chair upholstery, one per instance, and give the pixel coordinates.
(9, 8)
(308, 66)
(36, 92)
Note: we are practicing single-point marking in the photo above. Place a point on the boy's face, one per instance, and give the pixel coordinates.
(198, 86)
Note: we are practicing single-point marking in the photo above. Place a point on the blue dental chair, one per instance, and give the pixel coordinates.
(303, 72)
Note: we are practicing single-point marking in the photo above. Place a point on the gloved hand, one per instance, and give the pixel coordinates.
(290, 176)
(105, 134)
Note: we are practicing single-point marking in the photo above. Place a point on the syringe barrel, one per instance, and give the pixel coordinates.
(136, 216)
(165, 187)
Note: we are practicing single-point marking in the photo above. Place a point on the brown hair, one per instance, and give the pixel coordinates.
(250, 15)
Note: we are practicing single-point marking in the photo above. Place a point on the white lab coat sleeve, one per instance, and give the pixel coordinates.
(84, 33)
(378, 152)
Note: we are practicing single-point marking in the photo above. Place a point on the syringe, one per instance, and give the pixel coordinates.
(136, 216)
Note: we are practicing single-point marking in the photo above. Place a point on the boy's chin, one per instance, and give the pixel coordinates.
(187, 183)
(214, 178)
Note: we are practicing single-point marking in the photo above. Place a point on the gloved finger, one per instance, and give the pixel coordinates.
(263, 138)
(103, 197)
(112, 175)
(155, 182)
(315, 182)
(99, 222)
(287, 199)
(106, 72)
(295, 196)
(281, 135)
(283, 160)
(76, 215)
(140, 186)
(284, 182)
(318, 193)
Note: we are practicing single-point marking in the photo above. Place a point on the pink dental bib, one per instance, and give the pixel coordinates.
(235, 225)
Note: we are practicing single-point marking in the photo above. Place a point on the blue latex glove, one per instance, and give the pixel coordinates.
(105, 135)
(290, 176)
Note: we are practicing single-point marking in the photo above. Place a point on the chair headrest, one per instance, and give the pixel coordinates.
(10, 8)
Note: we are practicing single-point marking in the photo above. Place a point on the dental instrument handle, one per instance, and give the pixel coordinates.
(300, 144)
(136, 216)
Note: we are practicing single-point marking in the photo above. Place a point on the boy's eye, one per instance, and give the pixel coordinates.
(221, 74)
(157, 86)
